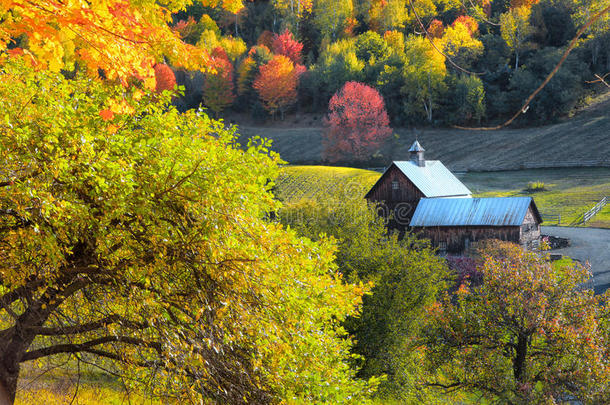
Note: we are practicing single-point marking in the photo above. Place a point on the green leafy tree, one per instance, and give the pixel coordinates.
(337, 65)
(407, 277)
(468, 99)
(529, 333)
(137, 236)
(331, 16)
(424, 73)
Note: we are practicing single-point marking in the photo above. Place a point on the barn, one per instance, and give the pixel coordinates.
(457, 225)
(405, 183)
(425, 197)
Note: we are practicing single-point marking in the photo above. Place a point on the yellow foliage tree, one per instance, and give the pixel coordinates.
(515, 28)
(123, 39)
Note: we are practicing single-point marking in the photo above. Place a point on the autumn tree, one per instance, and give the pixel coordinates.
(436, 28)
(285, 44)
(218, 85)
(276, 84)
(423, 73)
(529, 333)
(515, 29)
(357, 123)
(165, 79)
(121, 40)
(144, 242)
(406, 273)
(293, 11)
(383, 15)
(332, 16)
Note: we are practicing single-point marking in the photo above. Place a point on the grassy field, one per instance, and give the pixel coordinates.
(582, 139)
(55, 387)
(568, 192)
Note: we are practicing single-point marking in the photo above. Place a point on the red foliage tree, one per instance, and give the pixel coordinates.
(165, 78)
(436, 28)
(218, 85)
(357, 123)
(276, 84)
(285, 44)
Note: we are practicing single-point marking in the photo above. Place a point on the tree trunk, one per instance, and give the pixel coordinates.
(519, 362)
(9, 374)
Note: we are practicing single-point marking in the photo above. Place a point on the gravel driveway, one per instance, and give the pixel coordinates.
(588, 245)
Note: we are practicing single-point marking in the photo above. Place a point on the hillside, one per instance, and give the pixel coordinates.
(568, 192)
(583, 140)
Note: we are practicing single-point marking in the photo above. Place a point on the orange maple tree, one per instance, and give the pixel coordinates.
(276, 84)
(218, 85)
(121, 38)
(165, 79)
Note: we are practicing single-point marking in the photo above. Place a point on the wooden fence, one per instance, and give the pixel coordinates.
(593, 211)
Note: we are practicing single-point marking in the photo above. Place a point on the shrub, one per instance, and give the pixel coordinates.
(534, 186)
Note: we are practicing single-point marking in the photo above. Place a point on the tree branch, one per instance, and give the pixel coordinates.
(525, 105)
(87, 327)
(88, 346)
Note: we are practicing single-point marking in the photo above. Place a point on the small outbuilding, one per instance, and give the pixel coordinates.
(455, 225)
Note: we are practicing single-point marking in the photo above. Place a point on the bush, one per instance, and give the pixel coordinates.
(534, 186)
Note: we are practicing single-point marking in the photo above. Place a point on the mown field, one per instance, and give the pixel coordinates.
(567, 192)
(582, 140)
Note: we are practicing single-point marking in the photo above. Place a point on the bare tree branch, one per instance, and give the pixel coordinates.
(525, 105)
(88, 346)
(600, 79)
(434, 45)
(87, 327)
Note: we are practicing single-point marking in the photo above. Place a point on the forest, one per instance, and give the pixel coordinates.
(146, 255)
(434, 62)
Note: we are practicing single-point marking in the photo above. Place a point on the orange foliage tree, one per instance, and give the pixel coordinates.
(522, 3)
(468, 22)
(218, 85)
(121, 38)
(276, 84)
(436, 28)
(165, 79)
(357, 123)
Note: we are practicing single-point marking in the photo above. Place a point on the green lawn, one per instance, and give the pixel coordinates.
(569, 192)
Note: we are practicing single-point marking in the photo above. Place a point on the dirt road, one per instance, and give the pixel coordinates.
(588, 245)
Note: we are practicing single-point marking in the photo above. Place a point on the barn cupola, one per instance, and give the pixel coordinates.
(417, 154)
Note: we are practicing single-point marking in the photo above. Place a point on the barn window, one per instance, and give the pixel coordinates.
(442, 246)
(395, 185)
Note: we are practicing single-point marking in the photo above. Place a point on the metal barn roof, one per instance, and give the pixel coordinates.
(416, 147)
(499, 211)
(433, 180)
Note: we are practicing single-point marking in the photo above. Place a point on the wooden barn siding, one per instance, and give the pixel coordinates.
(456, 236)
(407, 193)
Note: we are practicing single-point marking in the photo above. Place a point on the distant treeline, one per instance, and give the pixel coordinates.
(435, 62)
